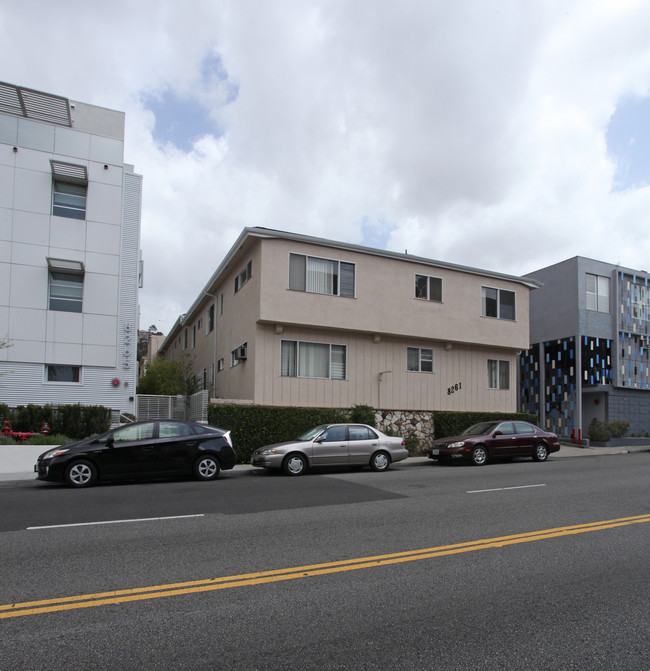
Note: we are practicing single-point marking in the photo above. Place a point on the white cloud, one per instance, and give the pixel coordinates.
(471, 132)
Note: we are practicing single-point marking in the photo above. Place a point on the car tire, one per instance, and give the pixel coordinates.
(479, 456)
(540, 453)
(294, 464)
(380, 461)
(80, 473)
(207, 467)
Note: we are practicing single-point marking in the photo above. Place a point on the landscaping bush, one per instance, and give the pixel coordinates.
(601, 432)
(75, 421)
(253, 426)
(363, 414)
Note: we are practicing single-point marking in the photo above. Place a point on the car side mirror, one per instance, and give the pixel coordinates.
(320, 440)
(110, 441)
(497, 433)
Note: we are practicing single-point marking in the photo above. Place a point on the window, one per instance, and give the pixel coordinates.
(239, 354)
(221, 306)
(498, 374)
(69, 187)
(244, 276)
(66, 281)
(219, 365)
(311, 359)
(428, 288)
(211, 378)
(173, 430)
(597, 293)
(194, 336)
(321, 276)
(210, 320)
(185, 339)
(63, 373)
(361, 433)
(498, 303)
(419, 359)
(133, 432)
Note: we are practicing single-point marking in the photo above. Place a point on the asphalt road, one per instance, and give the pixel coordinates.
(509, 566)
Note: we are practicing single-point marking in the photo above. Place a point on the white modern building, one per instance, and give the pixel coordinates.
(69, 253)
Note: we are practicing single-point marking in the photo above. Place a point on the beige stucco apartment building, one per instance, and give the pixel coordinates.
(294, 320)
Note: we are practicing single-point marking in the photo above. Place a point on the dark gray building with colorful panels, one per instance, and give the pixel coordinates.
(589, 353)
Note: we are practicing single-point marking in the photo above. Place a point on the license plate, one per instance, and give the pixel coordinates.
(435, 452)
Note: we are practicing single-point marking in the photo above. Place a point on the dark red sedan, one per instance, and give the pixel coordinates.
(485, 441)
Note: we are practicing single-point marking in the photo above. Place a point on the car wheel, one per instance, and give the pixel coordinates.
(479, 456)
(294, 464)
(380, 461)
(80, 474)
(206, 468)
(540, 453)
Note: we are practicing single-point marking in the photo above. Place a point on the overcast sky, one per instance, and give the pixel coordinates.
(502, 134)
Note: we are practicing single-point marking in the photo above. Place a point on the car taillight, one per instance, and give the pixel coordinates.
(227, 438)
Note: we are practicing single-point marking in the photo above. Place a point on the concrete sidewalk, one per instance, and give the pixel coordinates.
(17, 461)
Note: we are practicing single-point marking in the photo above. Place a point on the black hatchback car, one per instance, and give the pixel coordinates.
(155, 449)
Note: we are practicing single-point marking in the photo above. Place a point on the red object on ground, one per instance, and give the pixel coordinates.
(20, 436)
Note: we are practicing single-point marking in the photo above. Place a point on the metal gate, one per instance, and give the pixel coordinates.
(193, 408)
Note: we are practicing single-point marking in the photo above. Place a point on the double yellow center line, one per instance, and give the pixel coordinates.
(294, 573)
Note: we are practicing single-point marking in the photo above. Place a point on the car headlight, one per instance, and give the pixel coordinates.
(460, 443)
(54, 453)
(268, 452)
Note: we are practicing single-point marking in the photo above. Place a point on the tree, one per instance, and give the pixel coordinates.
(163, 377)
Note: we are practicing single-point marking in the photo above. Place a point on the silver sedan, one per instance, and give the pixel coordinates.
(333, 445)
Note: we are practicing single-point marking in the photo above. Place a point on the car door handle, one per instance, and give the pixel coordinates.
(147, 448)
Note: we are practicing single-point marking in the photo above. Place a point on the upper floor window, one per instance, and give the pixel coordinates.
(244, 276)
(499, 303)
(69, 188)
(313, 359)
(498, 374)
(597, 293)
(321, 276)
(210, 320)
(429, 288)
(66, 282)
(419, 359)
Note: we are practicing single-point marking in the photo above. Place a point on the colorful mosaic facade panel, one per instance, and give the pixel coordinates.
(596, 361)
(635, 361)
(529, 381)
(634, 303)
(560, 385)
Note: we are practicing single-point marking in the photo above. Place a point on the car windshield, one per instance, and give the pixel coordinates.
(480, 429)
(312, 433)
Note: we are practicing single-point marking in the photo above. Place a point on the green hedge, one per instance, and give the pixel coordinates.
(75, 421)
(449, 423)
(253, 425)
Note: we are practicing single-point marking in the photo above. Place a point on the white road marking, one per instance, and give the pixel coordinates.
(88, 524)
(501, 489)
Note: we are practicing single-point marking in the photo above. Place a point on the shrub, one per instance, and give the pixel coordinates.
(363, 414)
(253, 426)
(601, 432)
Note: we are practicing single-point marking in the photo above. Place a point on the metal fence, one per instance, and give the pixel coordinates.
(193, 408)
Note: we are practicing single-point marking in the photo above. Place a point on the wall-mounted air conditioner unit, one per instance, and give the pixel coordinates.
(240, 353)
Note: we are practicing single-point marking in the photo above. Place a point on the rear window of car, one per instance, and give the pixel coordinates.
(173, 429)
(203, 428)
(523, 427)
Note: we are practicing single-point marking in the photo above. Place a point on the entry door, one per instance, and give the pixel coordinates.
(331, 447)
